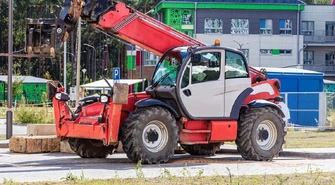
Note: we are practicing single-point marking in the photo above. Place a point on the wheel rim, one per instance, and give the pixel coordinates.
(155, 136)
(266, 135)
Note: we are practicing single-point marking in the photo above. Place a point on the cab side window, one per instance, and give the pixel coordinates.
(235, 66)
(205, 67)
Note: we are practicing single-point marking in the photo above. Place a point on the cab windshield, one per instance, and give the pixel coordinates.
(167, 69)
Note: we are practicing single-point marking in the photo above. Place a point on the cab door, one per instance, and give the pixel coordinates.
(201, 91)
(236, 79)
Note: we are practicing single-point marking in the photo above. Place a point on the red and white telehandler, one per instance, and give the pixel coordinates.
(200, 96)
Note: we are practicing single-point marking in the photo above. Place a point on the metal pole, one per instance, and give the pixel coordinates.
(9, 113)
(65, 54)
(78, 62)
(298, 34)
(93, 78)
(95, 66)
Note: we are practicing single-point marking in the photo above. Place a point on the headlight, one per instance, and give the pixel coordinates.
(58, 96)
(62, 96)
(104, 98)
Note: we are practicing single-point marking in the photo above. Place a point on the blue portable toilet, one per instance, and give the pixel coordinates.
(301, 90)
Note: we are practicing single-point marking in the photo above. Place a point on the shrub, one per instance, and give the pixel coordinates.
(31, 114)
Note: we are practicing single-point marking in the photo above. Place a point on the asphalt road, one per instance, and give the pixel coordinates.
(17, 129)
(55, 166)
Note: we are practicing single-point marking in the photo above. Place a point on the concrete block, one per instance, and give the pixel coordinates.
(17, 144)
(41, 129)
(34, 144)
(65, 147)
(120, 95)
(119, 148)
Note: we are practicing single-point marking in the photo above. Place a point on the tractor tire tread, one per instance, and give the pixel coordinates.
(244, 143)
(131, 135)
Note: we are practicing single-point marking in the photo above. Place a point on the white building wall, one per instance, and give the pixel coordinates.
(319, 14)
(257, 42)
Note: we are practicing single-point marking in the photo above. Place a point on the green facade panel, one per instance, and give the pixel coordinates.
(131, 64)
(241, 6)
(179, 18)
(275, 51)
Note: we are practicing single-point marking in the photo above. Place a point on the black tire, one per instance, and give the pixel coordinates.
(162, 127)
(265, 143)
(205, 149)
(90, 148)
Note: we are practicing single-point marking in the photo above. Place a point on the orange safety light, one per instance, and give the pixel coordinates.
(217, 42)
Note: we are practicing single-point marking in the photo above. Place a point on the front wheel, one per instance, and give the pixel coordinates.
(261, 134)
(150, 135)
(90, 148)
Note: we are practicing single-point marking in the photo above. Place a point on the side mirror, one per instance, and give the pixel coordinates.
(196, 58)
(104, 98)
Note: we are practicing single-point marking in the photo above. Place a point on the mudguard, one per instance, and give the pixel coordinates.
(148, 102)
(282, 108)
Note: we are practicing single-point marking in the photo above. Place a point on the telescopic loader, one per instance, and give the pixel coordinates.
(200, 96)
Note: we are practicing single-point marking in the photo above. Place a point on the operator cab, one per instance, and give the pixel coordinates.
(201, 82)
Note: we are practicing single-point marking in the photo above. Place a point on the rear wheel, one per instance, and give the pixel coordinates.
(206, 149)
(90, 148)
(261, 134)
(150, 135)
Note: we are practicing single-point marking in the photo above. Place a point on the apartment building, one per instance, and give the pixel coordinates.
(267, 31)
(318, 30)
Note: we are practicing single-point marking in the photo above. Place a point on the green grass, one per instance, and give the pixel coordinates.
(30, 114)
(312, 178)
(3, 136)
(307, 139)
(310, 139)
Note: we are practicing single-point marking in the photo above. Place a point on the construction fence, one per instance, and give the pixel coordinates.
(311, 109)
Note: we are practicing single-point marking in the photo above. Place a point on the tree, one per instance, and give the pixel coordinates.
(17, 87)
(318, 1)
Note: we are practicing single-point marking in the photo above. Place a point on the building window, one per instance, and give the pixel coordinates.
(330, 28)
(265, 51)
(213, 25)
(235, 66)
(285, 26)
(149, 59)
(308, 57)
(187, 17)
(265, 26)
(285, 52)
(239, 26)
(307, 28)
(330, 58)
(275, 51)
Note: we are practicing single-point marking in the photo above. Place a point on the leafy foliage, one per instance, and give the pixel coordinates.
(113, 55)
(17, 87)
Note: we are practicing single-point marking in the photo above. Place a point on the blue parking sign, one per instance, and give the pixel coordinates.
(116, 73)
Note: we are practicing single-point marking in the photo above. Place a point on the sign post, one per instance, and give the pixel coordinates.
(116, 74)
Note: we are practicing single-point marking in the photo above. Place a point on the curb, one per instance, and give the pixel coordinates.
(312, 155)
(4, 143)
(304, 154)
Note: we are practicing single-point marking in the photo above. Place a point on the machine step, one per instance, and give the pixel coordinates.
(196, 131)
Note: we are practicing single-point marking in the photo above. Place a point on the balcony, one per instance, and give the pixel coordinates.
(326, 67)
(318, 36)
